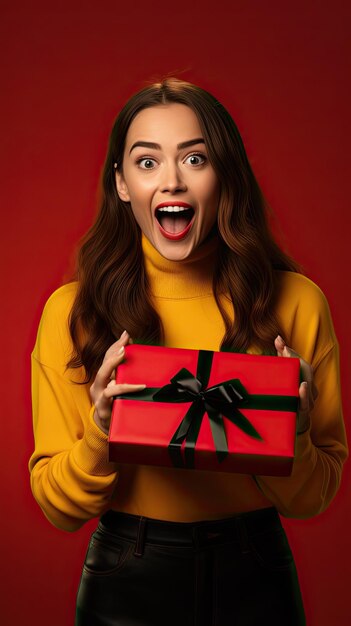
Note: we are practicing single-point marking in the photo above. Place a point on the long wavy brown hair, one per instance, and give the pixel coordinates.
(113, 291)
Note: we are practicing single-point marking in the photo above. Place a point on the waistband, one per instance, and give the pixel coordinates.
(148, 530)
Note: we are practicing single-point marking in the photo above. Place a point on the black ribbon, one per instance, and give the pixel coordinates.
(217, 401)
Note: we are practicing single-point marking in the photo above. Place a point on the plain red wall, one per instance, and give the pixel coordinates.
(66, 69)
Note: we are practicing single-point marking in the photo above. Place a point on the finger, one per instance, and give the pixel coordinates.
(306, 374)
(124, 338)
(114, 348)
(307, 378)
(283, 349)
(119, 389)
(303, 416)
(104, 403)
(103, 374)
(279, 344)
(310, 397)
(304, 397)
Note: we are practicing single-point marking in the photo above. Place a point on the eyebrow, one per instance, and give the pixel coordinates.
(156, 146)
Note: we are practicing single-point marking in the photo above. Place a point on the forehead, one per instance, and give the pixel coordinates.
(163, 123)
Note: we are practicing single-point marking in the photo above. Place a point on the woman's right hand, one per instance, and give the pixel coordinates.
(105, 387)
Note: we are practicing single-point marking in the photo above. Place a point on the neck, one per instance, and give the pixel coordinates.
(191, 277)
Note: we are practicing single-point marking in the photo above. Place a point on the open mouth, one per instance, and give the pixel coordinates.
(175, 220)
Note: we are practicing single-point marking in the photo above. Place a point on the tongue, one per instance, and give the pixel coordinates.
(174, 224)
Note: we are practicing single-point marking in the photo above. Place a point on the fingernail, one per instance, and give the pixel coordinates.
(123, 334)
(281, 339)
(120, 350)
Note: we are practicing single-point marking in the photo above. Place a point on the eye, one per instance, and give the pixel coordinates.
(146, 163)
(196, 159)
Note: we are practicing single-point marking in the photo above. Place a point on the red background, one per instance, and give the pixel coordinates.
(282, 70)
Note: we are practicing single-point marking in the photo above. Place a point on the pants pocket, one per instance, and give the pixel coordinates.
(106, 553)
(271, 549)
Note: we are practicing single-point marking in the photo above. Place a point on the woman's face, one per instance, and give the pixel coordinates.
(168, 179)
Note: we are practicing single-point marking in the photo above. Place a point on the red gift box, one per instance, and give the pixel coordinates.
(204, 410)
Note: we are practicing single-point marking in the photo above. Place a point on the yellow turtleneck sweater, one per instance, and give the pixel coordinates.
(71, 477)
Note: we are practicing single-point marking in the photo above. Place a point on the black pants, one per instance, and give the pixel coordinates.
(233, 572)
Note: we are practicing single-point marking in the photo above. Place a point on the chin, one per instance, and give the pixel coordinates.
(173, 254)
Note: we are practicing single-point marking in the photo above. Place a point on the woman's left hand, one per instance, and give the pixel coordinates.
(308, 391)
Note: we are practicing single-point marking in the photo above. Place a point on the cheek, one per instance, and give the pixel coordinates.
(212, 209)
(141, 194)
(140, 209)
(212, 185)
(138, 213)
(213, 197)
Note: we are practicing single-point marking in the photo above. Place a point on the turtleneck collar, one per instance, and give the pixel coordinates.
(189, 278)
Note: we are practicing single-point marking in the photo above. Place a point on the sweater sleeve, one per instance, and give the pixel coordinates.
(321, 451)
(71, 477)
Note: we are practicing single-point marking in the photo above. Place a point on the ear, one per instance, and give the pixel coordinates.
(121, 187)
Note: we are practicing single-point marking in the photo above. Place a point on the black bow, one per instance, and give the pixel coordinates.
(216, 401)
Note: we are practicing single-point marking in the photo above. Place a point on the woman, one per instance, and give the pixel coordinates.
(181, 255)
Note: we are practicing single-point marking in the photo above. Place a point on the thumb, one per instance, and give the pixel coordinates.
(279, 345)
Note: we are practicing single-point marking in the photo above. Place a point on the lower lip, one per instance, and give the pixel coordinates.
(176, 236)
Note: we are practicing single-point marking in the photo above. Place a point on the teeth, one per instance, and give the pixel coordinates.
(172, 209)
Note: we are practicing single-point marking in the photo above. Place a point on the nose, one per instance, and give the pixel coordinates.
(172, 179)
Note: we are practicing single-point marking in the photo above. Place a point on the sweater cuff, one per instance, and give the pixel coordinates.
(91, 452)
